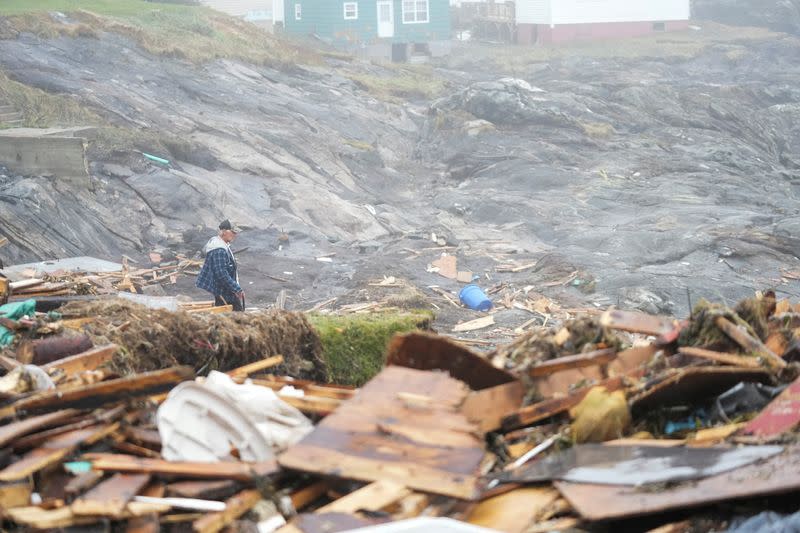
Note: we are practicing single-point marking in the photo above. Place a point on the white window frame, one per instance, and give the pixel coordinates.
(298, 12)
(354, 14)
(415, 12)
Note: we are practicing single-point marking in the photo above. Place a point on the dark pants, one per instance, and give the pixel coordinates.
(237, 304)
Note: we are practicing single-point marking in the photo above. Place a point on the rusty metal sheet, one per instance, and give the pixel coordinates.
(406, 426)
(780, 416)
(778, 474)
(426, 351)
(685, 386)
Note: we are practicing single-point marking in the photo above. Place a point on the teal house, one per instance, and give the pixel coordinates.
(395, 29)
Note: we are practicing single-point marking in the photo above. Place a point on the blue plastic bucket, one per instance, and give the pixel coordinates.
(473, 297)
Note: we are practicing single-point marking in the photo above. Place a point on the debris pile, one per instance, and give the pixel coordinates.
(621, 419)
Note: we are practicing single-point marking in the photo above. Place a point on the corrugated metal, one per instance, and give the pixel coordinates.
(239, 8)
(588, 11)
(533, 11)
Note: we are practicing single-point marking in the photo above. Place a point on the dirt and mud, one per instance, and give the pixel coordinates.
(637, 181)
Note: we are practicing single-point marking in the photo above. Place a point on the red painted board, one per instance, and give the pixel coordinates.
(780, 416)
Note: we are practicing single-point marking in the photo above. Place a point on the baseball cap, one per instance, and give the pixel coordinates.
(227, 224)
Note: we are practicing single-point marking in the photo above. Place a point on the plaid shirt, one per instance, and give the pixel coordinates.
(218, 275)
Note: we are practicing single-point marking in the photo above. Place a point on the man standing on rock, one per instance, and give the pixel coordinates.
(218, 275)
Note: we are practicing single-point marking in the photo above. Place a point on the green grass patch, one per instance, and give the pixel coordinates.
(354, 346)
(41, 109)
(118, 8)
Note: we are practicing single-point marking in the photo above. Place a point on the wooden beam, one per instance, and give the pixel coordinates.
(88, 360)
(312, 404)
(53, 452)
(225, 470)
(236, 506)
(14, 430)
(98, 394)
(307, 495)
(202, 489)
(597, 357)
(110, 497)
(83, 482)
(212, 310)
(721, 357)
(372, 497)
(749, 343)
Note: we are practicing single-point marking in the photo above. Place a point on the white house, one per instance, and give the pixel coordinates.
(556, 21)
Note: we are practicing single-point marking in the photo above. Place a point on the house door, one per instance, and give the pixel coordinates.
(386, 18)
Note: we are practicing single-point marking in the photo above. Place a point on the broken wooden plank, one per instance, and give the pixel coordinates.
(597, 357)
(110, 497)
(779, 417)
(88, 360)
(37, 439)
(447, 265)
(146, 437)
(53, 452)
(224, 470)
(308, 495)
(15, 493)
(14, 430)
(312, 404)
(635, 322)
(258, 366)
(513, 511)
(712, 436)
(382, 434)
(721, 357)
(277, 383)
(372, 497)
(206, 490)
(427, 351)
(212, 310)
(38, 518)
(25, 284)
(235, 507)
(488, 407)
(83, 482)
(748, 342)
(97, 394)
(478, 323)
(778, 474)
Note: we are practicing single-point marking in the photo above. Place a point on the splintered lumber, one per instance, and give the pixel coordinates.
(37, 439)
(10, 432)
(88, 360)
(53, 452)
(373, 497)
(206, 490)
(258, 366)
(212, 310)
(513, 511)
(488, 407)
(597, 357)
(635, 322)
(236, 506)
(405, 426)
(148, 523)
(16, 286)
(780, 416)
(312, 404)
(146, 437)
(307, 495)
(38, 518)
(721, 357)
(224, 470)
(43, 351)
(478, 323)
(97, 394)
(748, 342)
(545, 409)
(276, 383)
(778, 474)
(110, 497)
(427, 351)
(15, 493)
(83, 482)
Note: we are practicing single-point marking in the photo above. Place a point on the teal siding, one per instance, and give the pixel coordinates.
(325, 18)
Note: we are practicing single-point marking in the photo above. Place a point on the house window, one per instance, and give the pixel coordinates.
(415, 11)
(350, 10)
(659, 26)
(298, 11)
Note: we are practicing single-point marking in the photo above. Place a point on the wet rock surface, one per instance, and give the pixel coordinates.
(639, 181)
